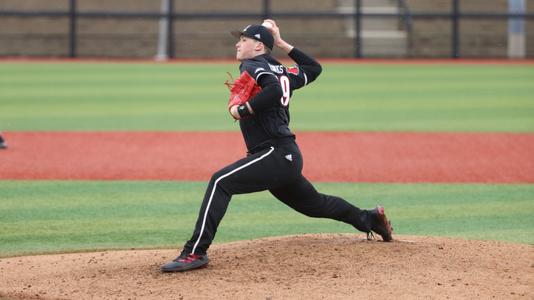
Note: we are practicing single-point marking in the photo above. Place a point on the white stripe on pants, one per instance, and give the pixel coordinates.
(213, 192)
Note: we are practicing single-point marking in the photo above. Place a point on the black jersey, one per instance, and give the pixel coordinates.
(271, 119)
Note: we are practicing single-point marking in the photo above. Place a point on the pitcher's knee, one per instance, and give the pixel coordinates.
(222, 182)
(218, 175)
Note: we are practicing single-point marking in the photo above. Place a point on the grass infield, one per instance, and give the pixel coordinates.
(170, 97)
(58, 216)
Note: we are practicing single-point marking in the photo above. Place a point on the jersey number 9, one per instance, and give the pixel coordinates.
(286, 91)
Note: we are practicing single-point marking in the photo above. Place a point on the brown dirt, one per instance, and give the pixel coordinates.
(321, 266)
(328, 156)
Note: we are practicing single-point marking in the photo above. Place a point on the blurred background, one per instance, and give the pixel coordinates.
(164, 29)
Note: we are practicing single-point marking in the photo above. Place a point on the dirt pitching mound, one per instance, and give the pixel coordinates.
(319, 266)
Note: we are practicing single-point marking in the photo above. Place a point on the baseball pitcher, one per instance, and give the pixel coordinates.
(260, 99)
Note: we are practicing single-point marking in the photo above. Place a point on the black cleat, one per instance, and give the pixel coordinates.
(186, 262)
(382, 225)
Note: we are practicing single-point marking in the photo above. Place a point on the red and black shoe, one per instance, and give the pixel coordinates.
(382, 226)
(186, 262)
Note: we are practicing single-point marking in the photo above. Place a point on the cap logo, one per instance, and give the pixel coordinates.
(257, 35)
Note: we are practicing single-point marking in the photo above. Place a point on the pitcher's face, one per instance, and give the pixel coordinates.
(247, 48)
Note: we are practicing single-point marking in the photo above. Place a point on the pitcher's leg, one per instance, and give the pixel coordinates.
(211, 212)
(304, 198)
(247, 175)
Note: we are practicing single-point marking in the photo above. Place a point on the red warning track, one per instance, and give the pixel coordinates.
(339, 157)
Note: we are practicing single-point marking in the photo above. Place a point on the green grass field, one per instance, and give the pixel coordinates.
(192, 97)
(63, 215)
(55, 216)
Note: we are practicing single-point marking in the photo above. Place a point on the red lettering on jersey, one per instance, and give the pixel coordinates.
(293, 70)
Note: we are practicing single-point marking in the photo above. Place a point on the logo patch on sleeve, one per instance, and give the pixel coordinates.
(293, 70)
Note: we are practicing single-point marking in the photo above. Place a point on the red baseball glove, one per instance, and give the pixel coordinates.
(242, 89)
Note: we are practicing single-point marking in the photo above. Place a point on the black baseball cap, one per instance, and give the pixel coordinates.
(257, 32)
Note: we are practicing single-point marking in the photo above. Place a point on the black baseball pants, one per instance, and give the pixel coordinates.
(277, 169)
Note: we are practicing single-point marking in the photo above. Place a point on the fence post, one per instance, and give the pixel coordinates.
(266, 9)
(516, 29)
(455, 29)
(358, 28)
(170, 29)
(72, 28)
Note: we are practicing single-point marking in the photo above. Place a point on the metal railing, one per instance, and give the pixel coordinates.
(454, 15)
